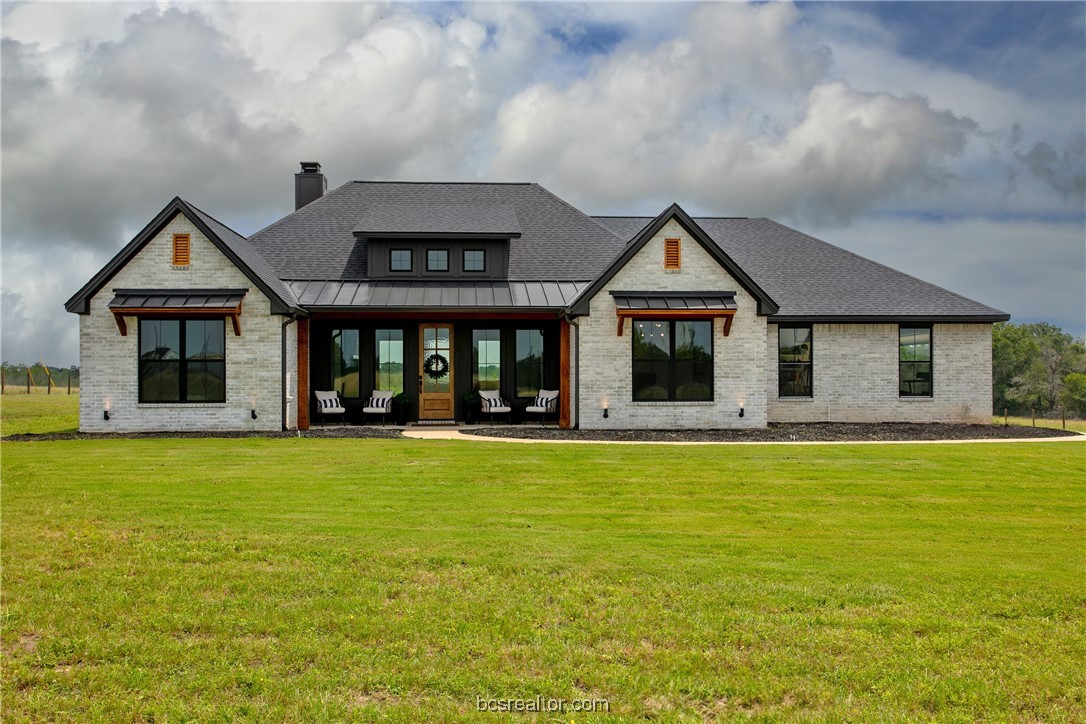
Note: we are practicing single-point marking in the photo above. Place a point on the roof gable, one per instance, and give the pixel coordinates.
(766, 305)
(232, 245)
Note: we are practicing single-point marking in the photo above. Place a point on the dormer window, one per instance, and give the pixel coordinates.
(182, 250)
(474, 260)
(399, 260)
(437, 260)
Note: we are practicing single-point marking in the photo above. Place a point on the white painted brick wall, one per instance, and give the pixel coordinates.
(855, 369)
(606, 359)
(253, 361)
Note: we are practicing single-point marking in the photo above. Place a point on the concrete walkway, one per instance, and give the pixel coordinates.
(456, 433)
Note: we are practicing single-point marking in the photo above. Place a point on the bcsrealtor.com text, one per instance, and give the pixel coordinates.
(542, 703)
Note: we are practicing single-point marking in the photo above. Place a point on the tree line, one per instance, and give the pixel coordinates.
(1037, 367)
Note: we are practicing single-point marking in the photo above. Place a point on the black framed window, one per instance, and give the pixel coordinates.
(486, 348)
(388, 364)
(400, 260)
(672, 360)
(182, 360)
(529, 367)
(345, 362)
(794, 347)
(914, 361)
(474, 260)
(437, 260)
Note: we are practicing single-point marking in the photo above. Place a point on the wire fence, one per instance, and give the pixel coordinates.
(38, 381)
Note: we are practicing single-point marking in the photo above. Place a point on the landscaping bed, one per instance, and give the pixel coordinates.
(346, 431)
(786, 432)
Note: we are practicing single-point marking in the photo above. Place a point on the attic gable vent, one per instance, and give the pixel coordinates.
(182, 248)
(672, 257)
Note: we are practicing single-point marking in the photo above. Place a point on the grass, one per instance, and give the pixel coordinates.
(38, 413)
(358, 579)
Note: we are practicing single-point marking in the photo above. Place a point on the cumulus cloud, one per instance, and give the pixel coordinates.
(109, 110)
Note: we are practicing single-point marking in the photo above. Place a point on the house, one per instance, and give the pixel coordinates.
(434, 289)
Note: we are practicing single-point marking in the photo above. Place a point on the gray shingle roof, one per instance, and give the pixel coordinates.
(557, 241)
(808, 277)
(439, 220)
(411, 294)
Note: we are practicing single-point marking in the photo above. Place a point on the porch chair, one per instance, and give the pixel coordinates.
(380, 403)
(492, 402)
(545, 402)
(328, 403)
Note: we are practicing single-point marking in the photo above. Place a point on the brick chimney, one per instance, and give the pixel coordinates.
(309, 185)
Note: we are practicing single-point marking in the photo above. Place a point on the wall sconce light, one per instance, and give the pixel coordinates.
(605, 415)
(253, 413)
(105, 415)
(741, 412)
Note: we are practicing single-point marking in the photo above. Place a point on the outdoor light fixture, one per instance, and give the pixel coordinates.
(741, 413)
(253, 413)
(105, 415)
(605, 412)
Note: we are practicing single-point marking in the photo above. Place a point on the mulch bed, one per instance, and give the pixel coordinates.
(787, 432)
(776, 432)
(346, 431)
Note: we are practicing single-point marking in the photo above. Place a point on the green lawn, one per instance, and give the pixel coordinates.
(38, 413)
(326, 579)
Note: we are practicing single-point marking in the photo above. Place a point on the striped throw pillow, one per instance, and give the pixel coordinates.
(493, 402)
(544, 402)
(379, 402)
(329, 402)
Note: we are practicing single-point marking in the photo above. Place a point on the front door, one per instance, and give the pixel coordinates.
(436, 380)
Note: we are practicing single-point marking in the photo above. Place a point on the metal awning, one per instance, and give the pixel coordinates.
(675, 305)
(464, 295)
(177, 303)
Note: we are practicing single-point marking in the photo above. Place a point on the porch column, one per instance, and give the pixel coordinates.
(563, 375)
(303, 373)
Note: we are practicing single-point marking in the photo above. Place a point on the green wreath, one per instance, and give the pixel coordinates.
(436, 366)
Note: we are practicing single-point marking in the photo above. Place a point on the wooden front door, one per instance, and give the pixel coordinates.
(436, 378)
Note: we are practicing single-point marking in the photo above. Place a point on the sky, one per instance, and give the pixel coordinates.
(947, 140)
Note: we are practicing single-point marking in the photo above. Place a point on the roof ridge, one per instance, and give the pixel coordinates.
(878, 263)
(445, 183)
(565, 203)
(336, 190)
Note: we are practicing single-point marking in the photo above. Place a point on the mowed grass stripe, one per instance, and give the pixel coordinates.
(356, 578)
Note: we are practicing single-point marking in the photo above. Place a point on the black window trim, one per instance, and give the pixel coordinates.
(931, 360)
(671, 360)
(182, 361)
(410, 256)
(437, 271)
(809, 363)
(464, 262)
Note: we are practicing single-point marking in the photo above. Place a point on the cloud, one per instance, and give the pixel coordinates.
(743, 124)
(1065, 173)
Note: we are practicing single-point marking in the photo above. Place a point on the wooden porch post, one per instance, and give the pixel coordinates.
(303, 373)
(563, 375)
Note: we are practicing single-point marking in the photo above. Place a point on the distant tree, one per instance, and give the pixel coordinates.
(1033, 368)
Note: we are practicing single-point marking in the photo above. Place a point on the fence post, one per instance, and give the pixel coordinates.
(28, 378)
(1063, 418)
(1033, 415)
(69, 382)
(3, 380)
(1004, 417)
